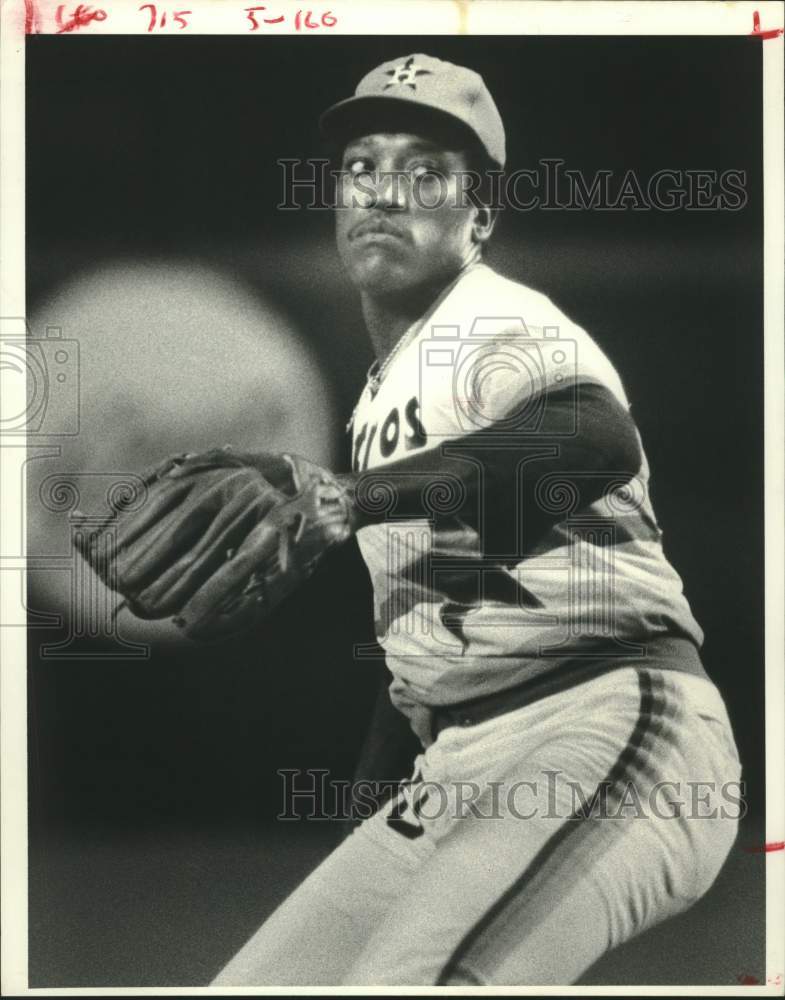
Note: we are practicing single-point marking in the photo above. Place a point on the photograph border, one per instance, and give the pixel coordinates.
(434, 17)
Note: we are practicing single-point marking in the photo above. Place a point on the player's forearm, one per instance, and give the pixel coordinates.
(482, 469)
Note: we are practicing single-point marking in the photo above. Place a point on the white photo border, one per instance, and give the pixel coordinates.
(760, 20)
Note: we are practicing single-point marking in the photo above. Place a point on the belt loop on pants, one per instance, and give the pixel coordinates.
(489, 706)
(476, 710)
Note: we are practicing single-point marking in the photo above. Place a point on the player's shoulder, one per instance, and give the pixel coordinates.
(492, 307)
(494, 298)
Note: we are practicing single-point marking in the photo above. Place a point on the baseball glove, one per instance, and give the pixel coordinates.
(220, 539)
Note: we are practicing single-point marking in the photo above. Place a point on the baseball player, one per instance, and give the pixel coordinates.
(539, 640)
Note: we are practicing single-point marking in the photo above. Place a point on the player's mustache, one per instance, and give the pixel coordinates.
(377, 224)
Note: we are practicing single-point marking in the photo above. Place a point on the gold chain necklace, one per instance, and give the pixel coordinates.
(377, 370)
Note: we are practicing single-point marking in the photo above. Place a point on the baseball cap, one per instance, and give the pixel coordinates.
(421, 82)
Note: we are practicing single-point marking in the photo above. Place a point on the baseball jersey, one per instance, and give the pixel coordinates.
(456, 622)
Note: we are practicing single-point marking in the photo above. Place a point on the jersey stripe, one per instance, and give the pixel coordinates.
(520, 909)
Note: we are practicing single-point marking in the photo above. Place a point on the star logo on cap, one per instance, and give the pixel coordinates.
(405, 74)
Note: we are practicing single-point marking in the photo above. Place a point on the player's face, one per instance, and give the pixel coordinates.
(402, 222)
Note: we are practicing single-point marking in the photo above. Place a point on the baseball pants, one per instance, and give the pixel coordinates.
(523, 848)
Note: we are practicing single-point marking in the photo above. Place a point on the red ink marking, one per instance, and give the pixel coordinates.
(326, 20)
(774, 845)
(748, 980)
(302, 19)
(151, 8)
(249, 13)
(154, 22)
(81, 17)
(763, 35)
(32, 21)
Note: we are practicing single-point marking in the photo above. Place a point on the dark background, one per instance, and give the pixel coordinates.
(153, 785)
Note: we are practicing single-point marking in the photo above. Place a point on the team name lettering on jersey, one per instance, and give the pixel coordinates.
(451, 629)
(388, 436)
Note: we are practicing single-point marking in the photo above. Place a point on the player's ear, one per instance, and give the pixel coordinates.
(484, 221)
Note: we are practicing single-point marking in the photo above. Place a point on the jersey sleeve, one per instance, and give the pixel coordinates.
(582, 432)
